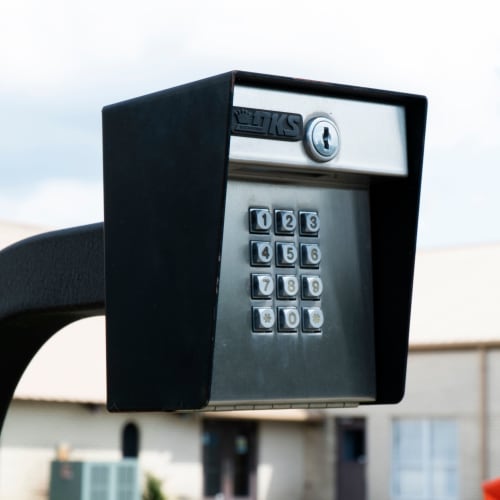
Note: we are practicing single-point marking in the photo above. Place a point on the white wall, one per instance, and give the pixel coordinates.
(170, 446)
(170, 449)
(444, 384)
(280, 473)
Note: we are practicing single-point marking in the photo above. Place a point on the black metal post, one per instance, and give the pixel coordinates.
(46, 282)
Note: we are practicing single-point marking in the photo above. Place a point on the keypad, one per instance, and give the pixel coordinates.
(286, 292)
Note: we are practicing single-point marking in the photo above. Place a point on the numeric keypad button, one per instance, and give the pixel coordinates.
(263, 319)
(262, 286)
(309, 223)
(261, 253)
(288, 319)
(312, 287)
(288, 287)
(260, 220)
(312, 319)
(286, 222)
(310, 255)
(286, 254)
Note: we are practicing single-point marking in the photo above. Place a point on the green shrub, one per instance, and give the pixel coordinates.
(152, 489)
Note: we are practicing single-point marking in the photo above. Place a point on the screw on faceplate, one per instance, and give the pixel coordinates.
(322, 139)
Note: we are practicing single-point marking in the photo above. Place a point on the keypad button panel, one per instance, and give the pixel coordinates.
(286, 297)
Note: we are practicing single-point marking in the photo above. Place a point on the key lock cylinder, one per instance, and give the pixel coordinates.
(322, 140)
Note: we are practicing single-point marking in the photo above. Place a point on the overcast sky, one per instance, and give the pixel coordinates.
(61, 62)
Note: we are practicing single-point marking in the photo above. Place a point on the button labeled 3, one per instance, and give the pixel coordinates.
(309, 223)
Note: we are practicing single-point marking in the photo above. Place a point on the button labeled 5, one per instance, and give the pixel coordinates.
(286, 254)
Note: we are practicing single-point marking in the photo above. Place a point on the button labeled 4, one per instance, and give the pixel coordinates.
(261, 253)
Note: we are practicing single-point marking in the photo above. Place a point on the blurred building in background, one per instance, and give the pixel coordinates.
(438, 444)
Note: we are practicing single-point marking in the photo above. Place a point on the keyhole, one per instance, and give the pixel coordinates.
(326, 137)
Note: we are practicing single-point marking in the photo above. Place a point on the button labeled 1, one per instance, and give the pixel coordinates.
(260, 220)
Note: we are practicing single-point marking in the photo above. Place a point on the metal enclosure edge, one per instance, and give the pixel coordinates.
(165, 168)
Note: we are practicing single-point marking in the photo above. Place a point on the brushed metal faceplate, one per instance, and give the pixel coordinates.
(333, 368)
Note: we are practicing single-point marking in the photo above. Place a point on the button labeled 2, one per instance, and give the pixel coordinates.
(286, 222)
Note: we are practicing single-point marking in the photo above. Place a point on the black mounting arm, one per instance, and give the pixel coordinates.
(46, 282)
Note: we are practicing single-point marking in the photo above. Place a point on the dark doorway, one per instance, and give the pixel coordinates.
(351, 459)
(229, 459)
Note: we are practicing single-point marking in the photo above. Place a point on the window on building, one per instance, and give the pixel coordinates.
(424, 459)
(130, 441)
